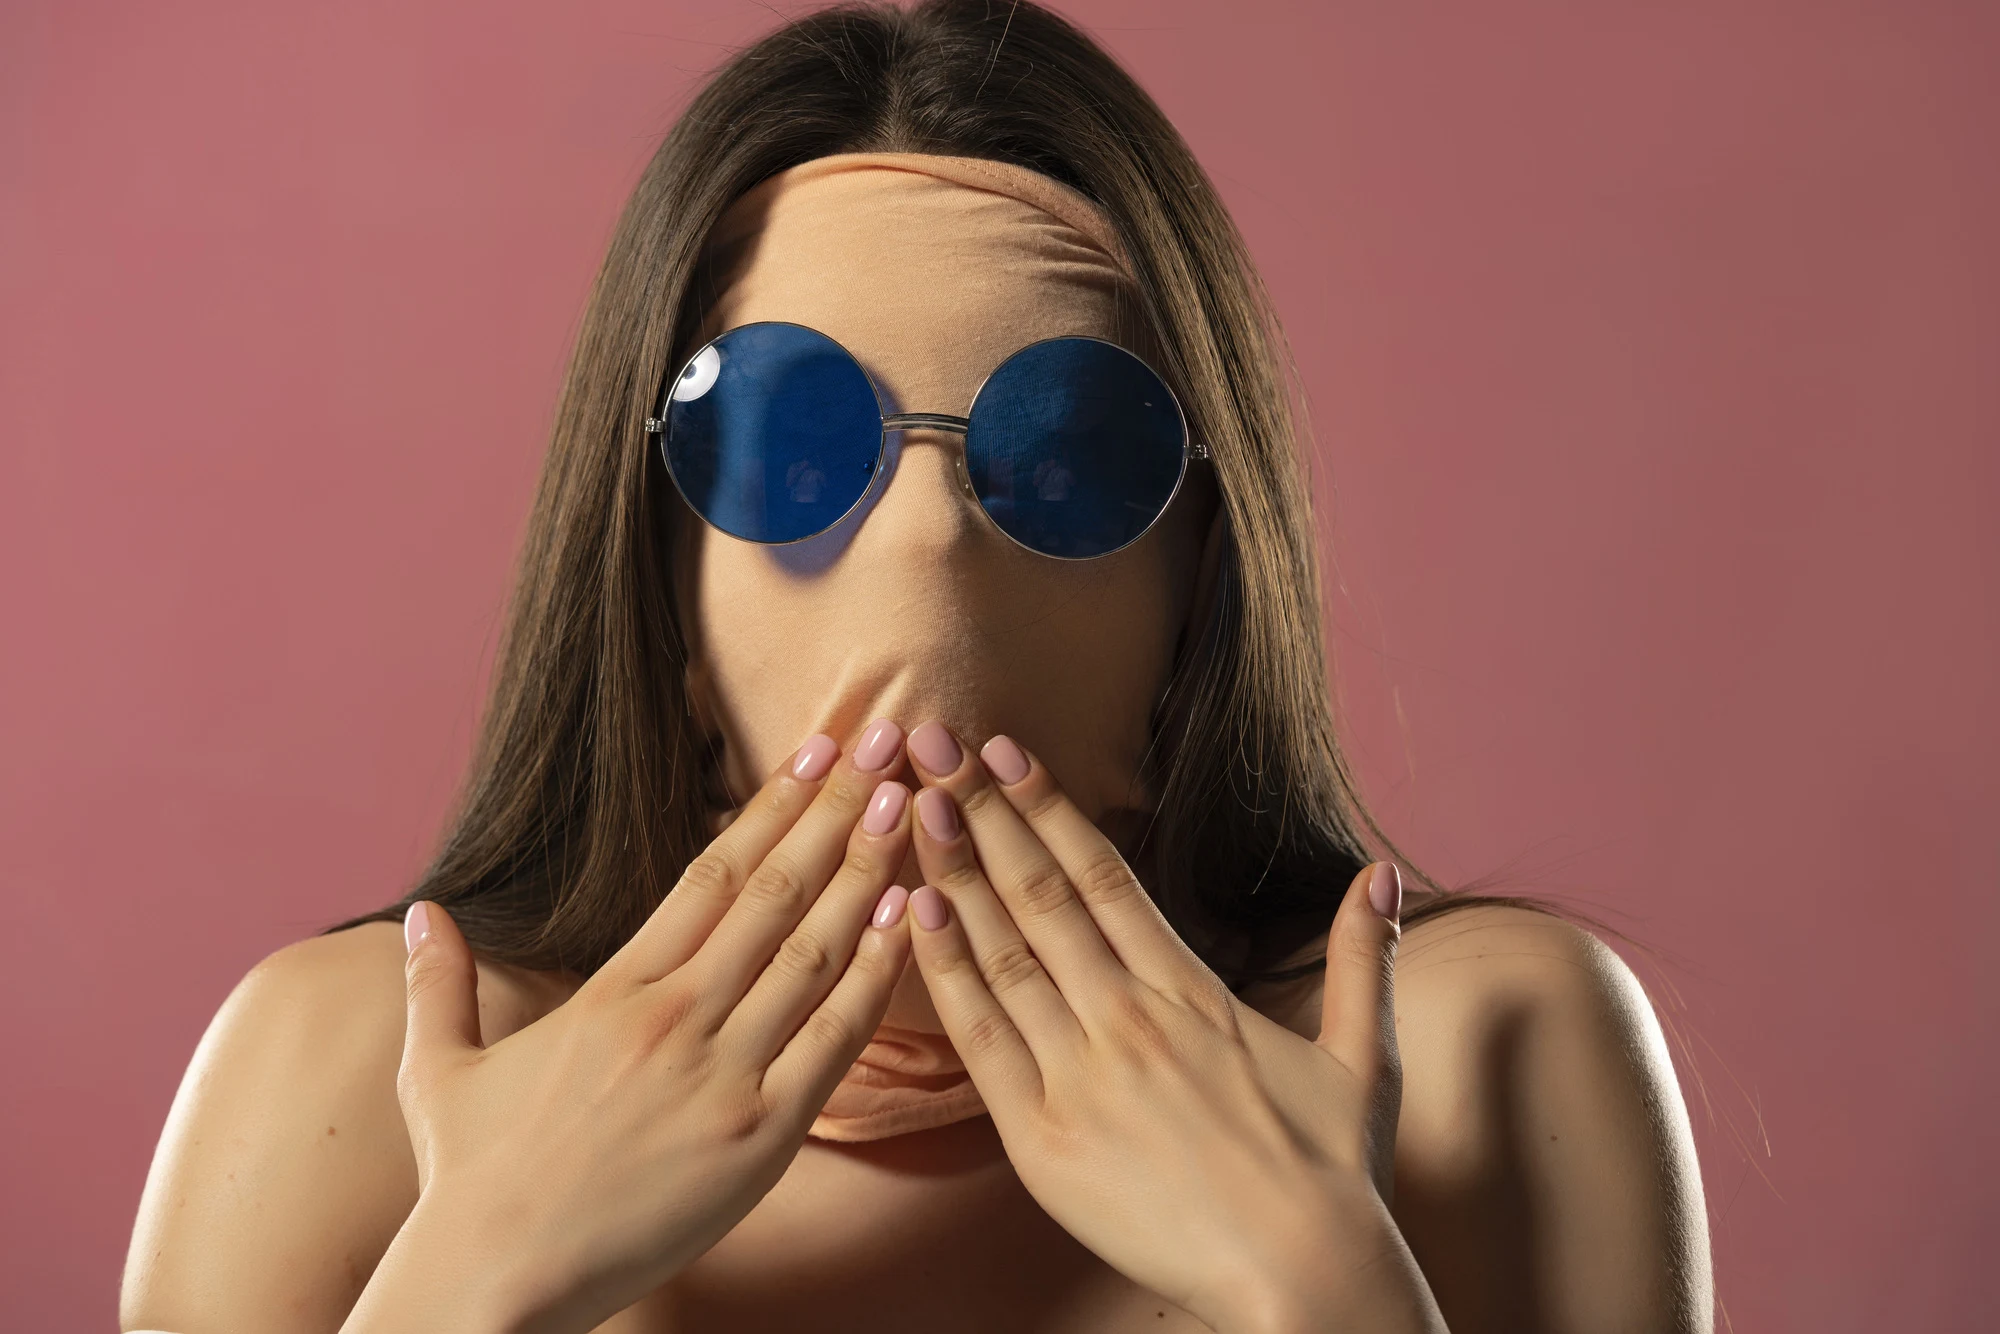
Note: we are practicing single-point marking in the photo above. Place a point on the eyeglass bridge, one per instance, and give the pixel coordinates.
(936, 421)
(906, 421)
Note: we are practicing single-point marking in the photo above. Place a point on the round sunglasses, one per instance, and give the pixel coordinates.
(774, 433)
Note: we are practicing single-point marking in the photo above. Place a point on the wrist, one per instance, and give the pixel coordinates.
(445, 1272)
(1351, 1271)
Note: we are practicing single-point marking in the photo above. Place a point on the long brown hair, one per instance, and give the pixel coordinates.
(586, 792)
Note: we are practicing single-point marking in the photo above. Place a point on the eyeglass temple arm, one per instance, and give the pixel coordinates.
(936, 421)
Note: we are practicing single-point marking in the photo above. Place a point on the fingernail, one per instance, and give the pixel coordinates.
(815, 757)
(1385, 890)
(889, 908)
(928, 906)
(879, 745)
(416, 925)
(935, 749)
(885, 808)
(1004, 760)
(939, 814)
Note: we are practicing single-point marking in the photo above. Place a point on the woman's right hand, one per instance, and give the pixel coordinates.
(576, 1165)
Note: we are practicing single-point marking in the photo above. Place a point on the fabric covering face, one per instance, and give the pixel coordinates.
(931, 271)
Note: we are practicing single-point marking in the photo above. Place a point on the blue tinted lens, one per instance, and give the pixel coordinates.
(1074, 447)
(773, 432)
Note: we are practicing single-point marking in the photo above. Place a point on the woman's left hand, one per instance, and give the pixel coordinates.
(1194, 1145)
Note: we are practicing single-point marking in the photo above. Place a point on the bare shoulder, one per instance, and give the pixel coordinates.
(283, 1170)
(1545, 1168)
(1457, 966)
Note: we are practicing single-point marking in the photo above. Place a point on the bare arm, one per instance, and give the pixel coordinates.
(550, 1179)
(284, 1170)
(1545, 1170)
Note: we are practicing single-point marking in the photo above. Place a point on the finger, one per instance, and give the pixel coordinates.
(826, 800)
(815, 955)
(442, 990)
(1010, 969)
(831, 1039)
(1130, 922)
(776, 895)
(995, 1053)
(1021, 869)
(1358, 1007)
(710, 883)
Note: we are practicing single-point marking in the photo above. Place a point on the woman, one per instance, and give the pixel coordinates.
(1007, 998)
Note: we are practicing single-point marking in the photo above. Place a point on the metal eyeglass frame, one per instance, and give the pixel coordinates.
(1191, 449)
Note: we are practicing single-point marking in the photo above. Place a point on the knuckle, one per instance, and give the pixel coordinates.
(948, 956)
(977, 800)
(988, 1033)
(775, 886)
(708, 876)
(873, 957)
(1009, 967)
(1042, 890)
(409, 1084)
(869, 854)
(848, 790)
(1142, 1031)
(1065, 1138)
(1210, 999)
(1104, 878)
(1354, 950)
(1042, 800)
(669, 1009)
(828, 1033)
(779, 797)
(740, 1114)
(964, 876)
(426, 972)
(803, 957)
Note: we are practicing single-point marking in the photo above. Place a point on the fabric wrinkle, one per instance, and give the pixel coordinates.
(963, 261)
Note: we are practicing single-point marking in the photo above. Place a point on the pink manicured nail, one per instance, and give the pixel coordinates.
(885, 808)
(815, 757)
(889, 908)
(939, 814)
(1004, 760)
(416, 925)
(935, 748)
(879, 745)
(928, 907)
(1385, 890)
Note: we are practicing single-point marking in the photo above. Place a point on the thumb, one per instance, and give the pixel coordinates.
(442, 986)
(1358, 1006)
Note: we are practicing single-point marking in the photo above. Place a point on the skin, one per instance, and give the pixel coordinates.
(1199, 1148)
(1544, 1178)
(1473, 1125)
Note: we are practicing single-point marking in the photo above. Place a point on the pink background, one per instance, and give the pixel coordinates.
(1653, 349)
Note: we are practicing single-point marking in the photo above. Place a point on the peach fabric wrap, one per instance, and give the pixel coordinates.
(985, 257)
(942, 220)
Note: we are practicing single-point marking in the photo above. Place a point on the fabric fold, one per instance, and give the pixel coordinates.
(905, 1081)
(931, 270)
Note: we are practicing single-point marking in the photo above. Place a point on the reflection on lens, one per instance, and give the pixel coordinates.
(699, 376)
(1075, 447)
(773, 432)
